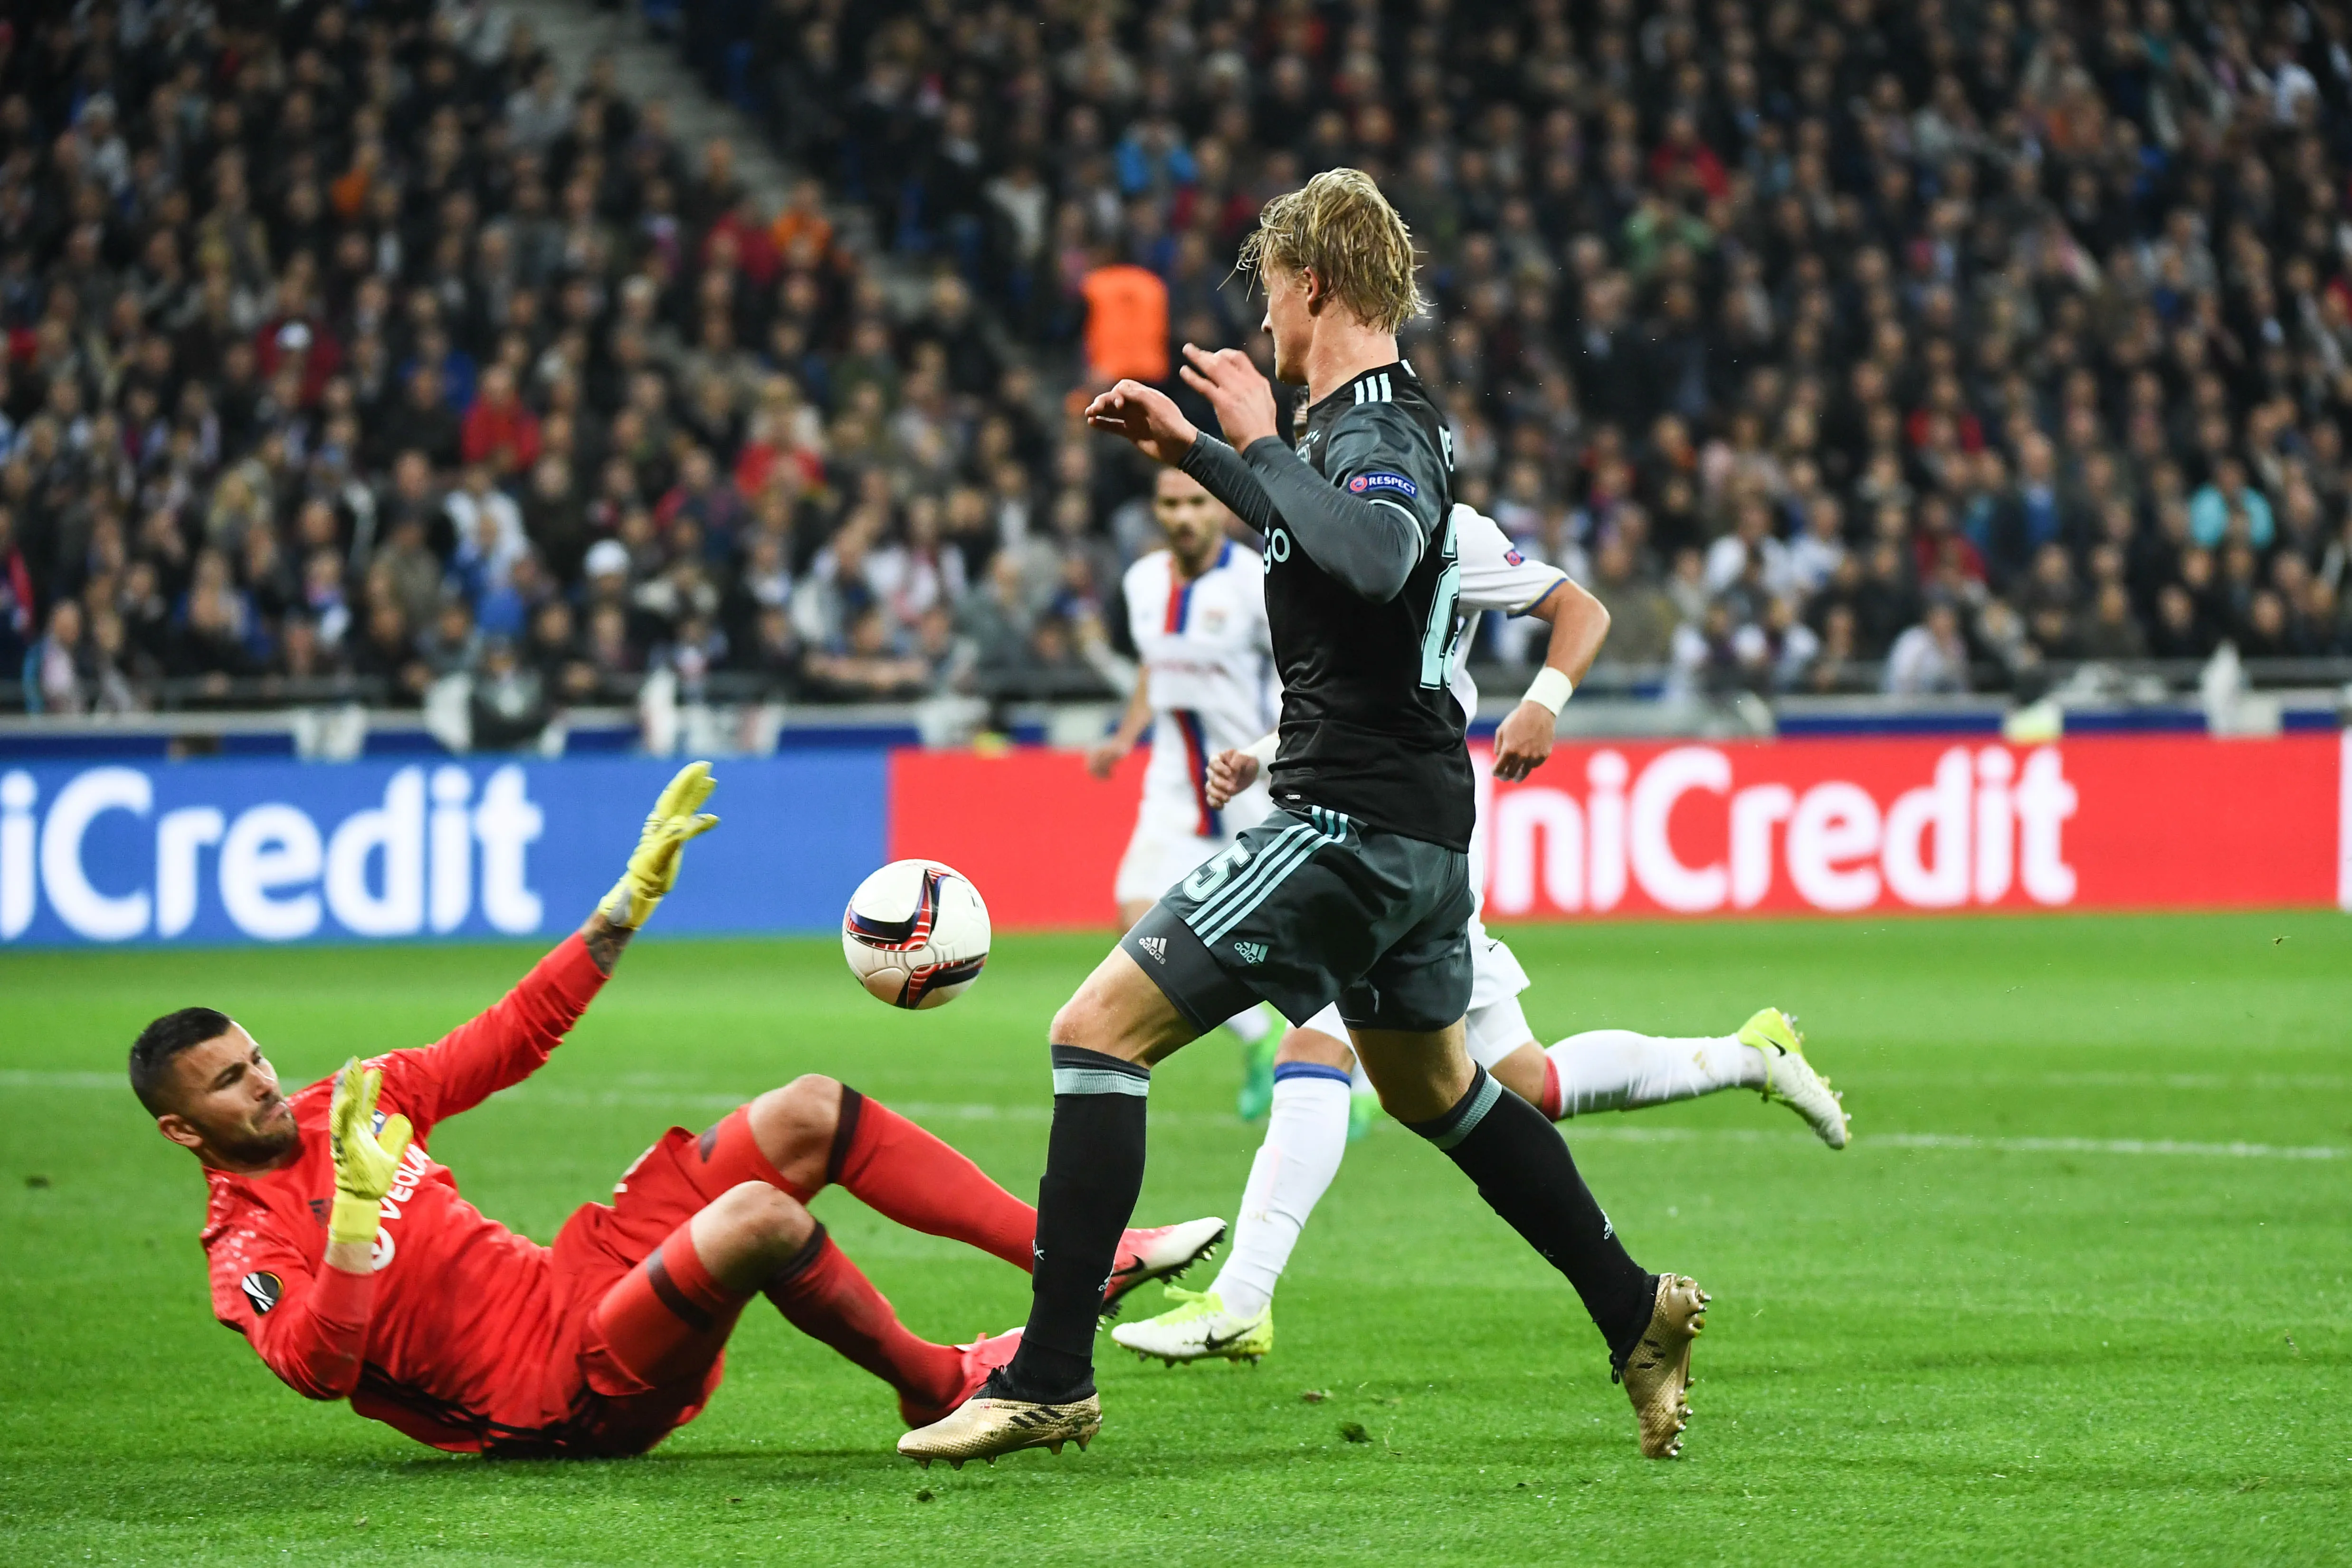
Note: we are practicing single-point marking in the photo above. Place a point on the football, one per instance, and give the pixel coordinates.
(915, 934)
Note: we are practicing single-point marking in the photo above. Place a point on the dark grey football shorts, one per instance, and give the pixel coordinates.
(1308, 907)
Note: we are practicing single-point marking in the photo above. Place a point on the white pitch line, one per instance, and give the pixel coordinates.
(13, 1078)
(2234, 1151)
(1970, 1141)
(1582, 1128)
(2298, 1083)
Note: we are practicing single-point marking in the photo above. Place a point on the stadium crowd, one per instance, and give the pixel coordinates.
(349, 352)
(1836, 346)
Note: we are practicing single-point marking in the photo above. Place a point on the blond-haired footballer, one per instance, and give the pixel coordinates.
(1356, 887)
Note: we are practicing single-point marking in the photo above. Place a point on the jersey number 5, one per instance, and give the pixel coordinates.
(1212, 874)
(1444, 629)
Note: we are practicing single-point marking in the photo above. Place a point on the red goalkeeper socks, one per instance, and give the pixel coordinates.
(825, 1296)
(905, 1174)
(668, 1319)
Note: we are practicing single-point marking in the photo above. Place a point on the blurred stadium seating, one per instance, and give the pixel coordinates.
(356, 356)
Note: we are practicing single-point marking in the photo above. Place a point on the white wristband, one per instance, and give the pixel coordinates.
(1263, 749)
(1550, 689)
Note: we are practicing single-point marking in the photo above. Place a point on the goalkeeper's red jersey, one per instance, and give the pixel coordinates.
(448, 1338)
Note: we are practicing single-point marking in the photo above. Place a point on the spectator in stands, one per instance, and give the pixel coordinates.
(1930, 658)
(1127, 321)
(407, 571)
(487, 527)
(997, 621)
(18, 596)
(2228, 506)
(54, 673)
(1835, 667)
(1641, 616)
(423, 421)
(212, 640)
(868, 667)
(498, 431)
(452, 645)
(387, 657)
(768, 651)
(507, 704)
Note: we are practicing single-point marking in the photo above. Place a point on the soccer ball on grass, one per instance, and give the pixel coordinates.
(915, 934)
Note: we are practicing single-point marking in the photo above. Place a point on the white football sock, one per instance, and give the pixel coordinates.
(1305, 1137)
(1250, 1025)
(1617, 1069)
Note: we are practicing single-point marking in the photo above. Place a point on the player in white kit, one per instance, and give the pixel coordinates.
(1599, 1070)
(1197, 612)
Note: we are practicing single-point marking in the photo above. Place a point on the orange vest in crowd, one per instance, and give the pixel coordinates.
(1127, 323)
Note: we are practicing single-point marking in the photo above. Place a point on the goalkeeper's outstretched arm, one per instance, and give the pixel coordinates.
(652, 872)
(514, 1039)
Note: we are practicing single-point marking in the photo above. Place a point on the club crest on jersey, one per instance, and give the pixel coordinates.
(262, 1289)
(1363, 483)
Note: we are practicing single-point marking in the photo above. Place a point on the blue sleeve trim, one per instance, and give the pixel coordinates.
(1310, 1070)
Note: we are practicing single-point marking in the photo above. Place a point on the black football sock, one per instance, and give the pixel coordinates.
(1526, 1173)
(1094, 1172)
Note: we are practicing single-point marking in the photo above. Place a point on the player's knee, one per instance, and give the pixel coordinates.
(1312, 1045)
(797, 1119)
(1522, 1072)
(1120, 1011)
(1094, 1020)
(1083, 1021)
(766, 1219)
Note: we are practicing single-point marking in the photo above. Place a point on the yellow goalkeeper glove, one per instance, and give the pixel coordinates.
(653, 870)
(366, 1161)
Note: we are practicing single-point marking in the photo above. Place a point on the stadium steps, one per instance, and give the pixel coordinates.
(648, 67)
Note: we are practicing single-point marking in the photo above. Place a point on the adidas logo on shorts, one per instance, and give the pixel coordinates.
(1155, 946)
(1251, 952)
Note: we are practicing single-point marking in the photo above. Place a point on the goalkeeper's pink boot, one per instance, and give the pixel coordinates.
(981, 1357)
(1161, 1253)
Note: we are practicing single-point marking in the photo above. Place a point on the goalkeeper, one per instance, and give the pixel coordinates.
(343, 1253)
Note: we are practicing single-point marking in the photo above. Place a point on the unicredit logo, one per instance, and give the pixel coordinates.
(424, 858)
(1985, 825)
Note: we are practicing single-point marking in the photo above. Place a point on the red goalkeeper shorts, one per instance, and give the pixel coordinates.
(619, 1381)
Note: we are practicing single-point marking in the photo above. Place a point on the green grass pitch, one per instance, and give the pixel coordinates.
(2077, 1293)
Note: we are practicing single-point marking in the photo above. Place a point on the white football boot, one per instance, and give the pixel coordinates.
(1791, 1078)
(1197, 1329)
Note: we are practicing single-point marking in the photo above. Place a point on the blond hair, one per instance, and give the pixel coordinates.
(1339, 226)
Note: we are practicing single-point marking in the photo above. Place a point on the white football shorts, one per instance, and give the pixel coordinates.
(1164, 849)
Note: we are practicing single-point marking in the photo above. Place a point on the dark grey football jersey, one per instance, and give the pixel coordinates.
(1369, 726)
